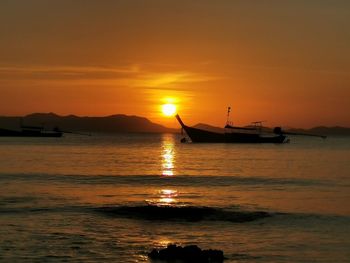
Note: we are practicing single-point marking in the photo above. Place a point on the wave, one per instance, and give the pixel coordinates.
(150, 212)
(157, 180)
(182, 213)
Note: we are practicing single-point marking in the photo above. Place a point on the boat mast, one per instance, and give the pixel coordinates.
(228, 115)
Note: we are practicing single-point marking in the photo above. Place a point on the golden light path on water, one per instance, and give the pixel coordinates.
(168, 156)
(167, 196)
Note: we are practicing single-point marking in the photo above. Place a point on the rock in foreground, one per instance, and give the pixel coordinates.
(187, 254)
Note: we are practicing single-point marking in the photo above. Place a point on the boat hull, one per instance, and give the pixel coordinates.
(13, 133)
(253, 138)
(202, 136)
(198, 135)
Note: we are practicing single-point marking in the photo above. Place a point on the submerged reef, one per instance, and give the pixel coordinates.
(185, 213)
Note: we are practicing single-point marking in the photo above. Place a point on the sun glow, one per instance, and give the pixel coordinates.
(169, 109)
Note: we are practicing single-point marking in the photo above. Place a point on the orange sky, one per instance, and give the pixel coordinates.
(287, 62)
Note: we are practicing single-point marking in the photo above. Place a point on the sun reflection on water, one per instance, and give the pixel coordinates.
(166, 196)
(162, 242)
(168, 156)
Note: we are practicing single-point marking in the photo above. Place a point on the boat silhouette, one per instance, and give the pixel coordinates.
(232, 134)
(30, 131)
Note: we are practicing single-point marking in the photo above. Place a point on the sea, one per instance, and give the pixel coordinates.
(113, 198)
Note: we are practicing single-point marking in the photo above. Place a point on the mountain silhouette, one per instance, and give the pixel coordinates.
(120, 123)
(110, 124)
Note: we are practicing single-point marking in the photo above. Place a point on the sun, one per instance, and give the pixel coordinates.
(169, 109)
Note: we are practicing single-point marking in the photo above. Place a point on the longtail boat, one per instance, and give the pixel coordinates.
(235, 134)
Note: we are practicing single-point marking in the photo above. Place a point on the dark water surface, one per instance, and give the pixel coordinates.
(113, 198)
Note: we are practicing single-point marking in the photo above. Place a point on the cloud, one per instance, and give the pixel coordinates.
(64, 72)
(169, 79)
(132, 76)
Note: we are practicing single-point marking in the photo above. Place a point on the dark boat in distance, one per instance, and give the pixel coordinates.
(236, 135)
(30, 131)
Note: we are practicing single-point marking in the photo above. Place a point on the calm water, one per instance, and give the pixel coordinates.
(71, 199)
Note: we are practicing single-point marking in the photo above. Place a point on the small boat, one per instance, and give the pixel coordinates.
(231, 135)
(30, 131)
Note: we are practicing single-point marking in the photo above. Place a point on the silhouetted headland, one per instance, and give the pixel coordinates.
(118, 123)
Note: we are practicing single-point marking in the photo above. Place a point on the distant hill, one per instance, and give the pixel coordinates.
(112, 124)
(321, 130)
(123, 123)
(335, 131)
